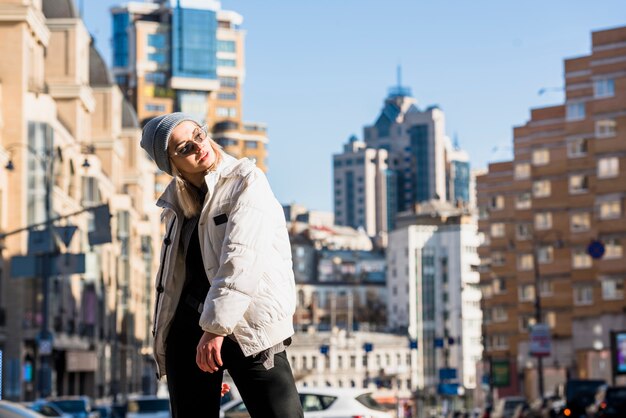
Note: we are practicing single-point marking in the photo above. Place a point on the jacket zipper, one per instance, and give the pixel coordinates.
(167, 242)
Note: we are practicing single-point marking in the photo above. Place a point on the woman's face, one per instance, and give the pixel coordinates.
(190, 150)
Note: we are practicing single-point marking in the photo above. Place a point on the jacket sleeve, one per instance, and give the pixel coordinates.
(249, 231)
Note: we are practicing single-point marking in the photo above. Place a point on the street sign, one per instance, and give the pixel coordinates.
(44, 343)
(30, 265)
(368, 347)
(595, 249)
(500, 373)
(101, 233)
(540, 341)
(447, 374)
(65, 233)
(40, 241)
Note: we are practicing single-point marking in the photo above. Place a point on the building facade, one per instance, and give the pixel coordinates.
(359, 359)
(70, 325)
(564, 189)
(361, 177)
(188, 56)
(405, 158)
(433, 292)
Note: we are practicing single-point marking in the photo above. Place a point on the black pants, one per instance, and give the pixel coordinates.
(194, 393)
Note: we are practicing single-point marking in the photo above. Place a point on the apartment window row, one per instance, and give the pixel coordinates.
(580, 259)
(227, 112)
(603, 88)
(575, 111)
(497, 342)
(150, 107)
(348, 162)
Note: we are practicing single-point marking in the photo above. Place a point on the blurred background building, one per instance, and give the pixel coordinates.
(66, 123)
(554, 226)
(188, 56)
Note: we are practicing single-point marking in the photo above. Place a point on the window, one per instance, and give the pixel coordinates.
(226, 62)
(612, 287)
(583, 295)
(227, 112)
(497, 202)
(498, 342)
(575, 111)
(228, 82)
(522, 171)
(543, 220)
(545, 254)
(156, 40)
(541, 157)
(526, 293)
(577, 147)
(497, 229)
(226, 46)
(580, 258)
(603, 88)
(499, 286)
(605, 128)
(580, 222)
(227, 96)
(250, 144)
(154, 107)
(578, 183)
(541, 188)
(523, 231)
(498, 258)
(157, 57)
(525, 322)
(610, 209)
(608, 167)
(155, 78)
(525, 262)
(612, 248)
(523, 201)
(546, 288)
(549, 318)
(499, 314)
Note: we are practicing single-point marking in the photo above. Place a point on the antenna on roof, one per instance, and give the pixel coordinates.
(399, 71)
(80, 8)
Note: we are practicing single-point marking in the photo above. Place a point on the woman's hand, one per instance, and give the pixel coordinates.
(225, 388)
(208, 353)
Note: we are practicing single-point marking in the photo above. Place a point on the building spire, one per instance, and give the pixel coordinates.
(399, 90)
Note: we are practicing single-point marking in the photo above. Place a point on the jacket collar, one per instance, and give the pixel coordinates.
(228, 167)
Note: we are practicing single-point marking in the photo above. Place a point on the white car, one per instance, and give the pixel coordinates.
(148, 407)
(14, 410)
(323, 402)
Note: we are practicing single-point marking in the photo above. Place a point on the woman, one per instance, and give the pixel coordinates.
(225, 286)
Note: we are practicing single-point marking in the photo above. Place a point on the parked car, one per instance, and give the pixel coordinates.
(579, 394)
(323, 403)
(611, 402)
(148, 407)
(15, 410)
(506, 406)
(76, 406)
(48, 409)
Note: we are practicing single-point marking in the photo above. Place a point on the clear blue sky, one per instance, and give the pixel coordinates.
(318, 71)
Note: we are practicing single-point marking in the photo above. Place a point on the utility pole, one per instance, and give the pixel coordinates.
(538, 318)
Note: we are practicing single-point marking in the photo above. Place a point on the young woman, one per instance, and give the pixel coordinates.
(225, 287)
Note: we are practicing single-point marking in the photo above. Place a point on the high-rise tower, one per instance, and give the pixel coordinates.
(188, 56)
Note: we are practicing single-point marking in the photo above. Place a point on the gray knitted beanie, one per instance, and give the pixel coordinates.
(156, 135)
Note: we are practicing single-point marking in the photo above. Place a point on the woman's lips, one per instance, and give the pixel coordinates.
(204, 156)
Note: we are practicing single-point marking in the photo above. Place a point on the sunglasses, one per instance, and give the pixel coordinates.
(189, 147)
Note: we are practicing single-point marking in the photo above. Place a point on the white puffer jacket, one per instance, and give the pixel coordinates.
(247, 258)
